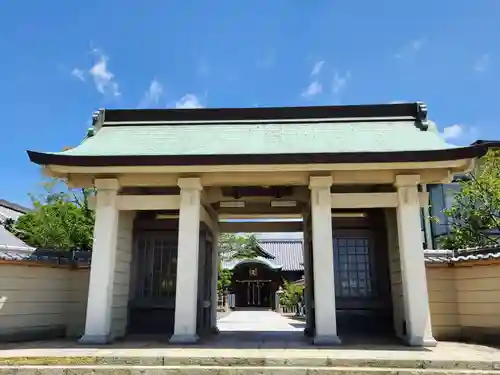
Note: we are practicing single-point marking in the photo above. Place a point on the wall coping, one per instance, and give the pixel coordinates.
(477, 254)
(31, 263)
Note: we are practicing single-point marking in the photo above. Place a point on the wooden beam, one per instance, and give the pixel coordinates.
(250, 227)
(266, 168)
(148, 202)
(370, 200)
(207, 219)
(363, 177)
(228, 216)
(364, 200)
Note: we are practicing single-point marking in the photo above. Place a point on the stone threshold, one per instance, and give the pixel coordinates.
(230, 370)
(252, 361)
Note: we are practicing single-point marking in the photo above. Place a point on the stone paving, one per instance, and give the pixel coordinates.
(257, 320)
(255, 338)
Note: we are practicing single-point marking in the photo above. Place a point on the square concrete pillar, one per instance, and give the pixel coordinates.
(413, 274)
(186, 295)
(308, 280)
(102, 270)
(213, 281)
(324, 276)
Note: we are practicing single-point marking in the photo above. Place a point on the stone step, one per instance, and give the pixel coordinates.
(268, 361)
(231, 370)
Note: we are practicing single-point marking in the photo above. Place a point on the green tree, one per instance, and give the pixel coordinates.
(233, 246)
(292, 293)
(475, 212)
(60, 220)
(224, 280)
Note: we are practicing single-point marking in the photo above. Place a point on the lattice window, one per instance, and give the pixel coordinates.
(157, 266)
(353, 267)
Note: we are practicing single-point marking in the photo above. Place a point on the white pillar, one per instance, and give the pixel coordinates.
(413, 274)
(215, 277)
(324, 277)
(102, 270)
(186, 295)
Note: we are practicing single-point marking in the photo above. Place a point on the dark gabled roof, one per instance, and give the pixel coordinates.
(383, 133)
(14, 206)
(10, 241)
(286, 255)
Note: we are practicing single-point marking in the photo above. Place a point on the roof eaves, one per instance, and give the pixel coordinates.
(259, 159)
(264, 252)
(14, 206)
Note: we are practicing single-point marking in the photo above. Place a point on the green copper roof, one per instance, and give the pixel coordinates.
(258, 138)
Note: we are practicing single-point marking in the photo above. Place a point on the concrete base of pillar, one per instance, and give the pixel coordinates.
(184, 339)
(326, 340)
(95, 340)
(308, 332)
(421, 342)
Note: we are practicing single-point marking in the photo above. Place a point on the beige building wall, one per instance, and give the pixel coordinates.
(79, 281)
(465, 300)
(442, 302)
(40, 300)
(122, 274)
(478, 299)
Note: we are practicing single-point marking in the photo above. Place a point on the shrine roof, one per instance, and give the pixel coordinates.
(285, 135)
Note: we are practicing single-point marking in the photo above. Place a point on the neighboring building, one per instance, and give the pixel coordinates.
(441, 197)
(168, 180)
(11, 246)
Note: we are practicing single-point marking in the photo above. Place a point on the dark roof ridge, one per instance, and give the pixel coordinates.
(416, 110)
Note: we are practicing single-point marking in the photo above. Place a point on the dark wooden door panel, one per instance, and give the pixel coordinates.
(153, 288)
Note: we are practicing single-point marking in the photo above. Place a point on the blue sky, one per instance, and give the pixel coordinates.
(64, 59)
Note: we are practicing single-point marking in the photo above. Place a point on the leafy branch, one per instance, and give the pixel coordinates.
(475, 214)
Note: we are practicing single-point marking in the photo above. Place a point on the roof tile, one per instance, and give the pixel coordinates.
(259, 138)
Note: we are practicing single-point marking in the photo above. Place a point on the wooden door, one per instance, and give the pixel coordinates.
(362, 300)
(153, 286)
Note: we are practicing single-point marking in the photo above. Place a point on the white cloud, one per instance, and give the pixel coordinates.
(189, 101)
(152, 95)
(340, 82)
(78, 73)
(104, 79)
(315, 86)
(312, 90)
(482, 64)
(412, 47)
(317, 68)
(453, 132)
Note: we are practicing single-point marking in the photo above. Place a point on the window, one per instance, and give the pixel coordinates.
(441, 197)
(353, 274)
(157, 266)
